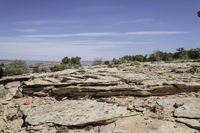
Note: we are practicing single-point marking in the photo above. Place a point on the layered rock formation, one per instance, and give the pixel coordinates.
(129, 98)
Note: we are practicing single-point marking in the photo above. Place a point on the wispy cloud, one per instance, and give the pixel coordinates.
(100, 34)
(156, 33)
(27, 30)
(134, 21)
(84, 34)
(44, 22)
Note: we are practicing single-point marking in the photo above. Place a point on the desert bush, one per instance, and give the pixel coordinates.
(181, 53)
(194, 53)
(1, 71)
(56, 68)
(130, 58)
(66, 60)
(71, 61)
(107, 62)
(67, 63)
(40, 69)
(76, 61)
(118, 61)
(15, 68)
(97, 61)
(140, 58)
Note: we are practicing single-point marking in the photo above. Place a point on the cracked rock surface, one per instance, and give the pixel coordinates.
(128, 98)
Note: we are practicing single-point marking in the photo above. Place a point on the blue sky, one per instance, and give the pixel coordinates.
(52, 29)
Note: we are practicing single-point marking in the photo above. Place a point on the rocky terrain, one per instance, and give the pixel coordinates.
(128, 98)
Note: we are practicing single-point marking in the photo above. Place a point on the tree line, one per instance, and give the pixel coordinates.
(179, 54)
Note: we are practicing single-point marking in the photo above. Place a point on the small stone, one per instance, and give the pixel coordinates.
(130, 107)
(139, 109)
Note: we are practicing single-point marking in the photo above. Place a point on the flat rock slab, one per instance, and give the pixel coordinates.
(131, 77)
(138, 124)
(75, 113)
(191, 109)
(194, 123)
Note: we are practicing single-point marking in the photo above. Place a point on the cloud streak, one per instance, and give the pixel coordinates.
(157, 33)
(84, 34)
(44, 22)
(135, 21)
(27, 30)
(101, 34)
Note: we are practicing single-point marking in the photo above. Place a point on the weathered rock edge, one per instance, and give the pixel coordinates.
(70, 89)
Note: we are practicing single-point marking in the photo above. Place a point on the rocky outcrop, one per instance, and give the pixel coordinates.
(136, 97)
(99, 88)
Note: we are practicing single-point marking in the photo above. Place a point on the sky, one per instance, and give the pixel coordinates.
(53, 29)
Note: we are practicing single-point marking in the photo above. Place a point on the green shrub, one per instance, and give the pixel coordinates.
(107, 62)
(76, 61)
(66, 60)
(118, 61)
(181, 53)
(57, 68)
(15, 68)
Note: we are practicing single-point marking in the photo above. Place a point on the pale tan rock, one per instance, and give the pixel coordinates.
(13, 87)
(75, 113)
(4, 94)
(194, 123)
(138, 124)
(191, 109)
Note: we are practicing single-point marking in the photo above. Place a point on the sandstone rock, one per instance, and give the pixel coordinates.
(14, 78)
(180, 70)
(194, 123)
(37, 81)
(75, 113)
(137, 124)
(189, 110)
(131, 77)
(13, 87)
(141, 85)
(99, 88)
(4, 93)
(1, 108)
